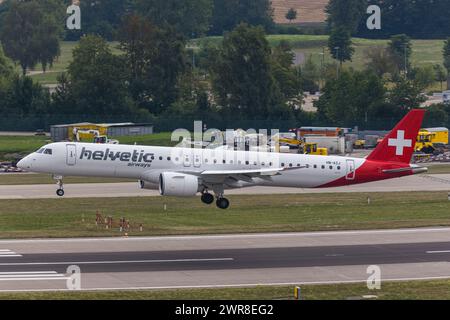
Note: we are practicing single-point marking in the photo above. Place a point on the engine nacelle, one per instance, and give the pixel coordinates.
(148, 185)
(178, 184)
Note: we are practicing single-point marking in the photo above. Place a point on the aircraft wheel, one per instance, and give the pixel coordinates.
(60, 192)
(222, 203)
(207, 198)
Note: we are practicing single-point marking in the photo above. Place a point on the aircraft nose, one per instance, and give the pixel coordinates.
(25, 163)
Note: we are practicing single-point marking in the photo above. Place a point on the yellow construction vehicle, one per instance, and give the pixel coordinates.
(430, 140)
(289, 140)
(313, 149)
(359, 144)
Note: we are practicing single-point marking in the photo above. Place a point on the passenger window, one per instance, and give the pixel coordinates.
(331, 167)
(315, 166)
(339, 168)
(160, 158)
(323, 167)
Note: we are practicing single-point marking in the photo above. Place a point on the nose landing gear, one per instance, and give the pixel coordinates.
(60, 191)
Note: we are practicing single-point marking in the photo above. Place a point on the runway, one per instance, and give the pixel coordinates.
(225, 260)
(435, 182)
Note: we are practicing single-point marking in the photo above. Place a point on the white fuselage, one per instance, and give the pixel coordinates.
(147, 162)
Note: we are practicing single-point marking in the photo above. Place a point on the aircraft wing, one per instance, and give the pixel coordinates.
(230, 177)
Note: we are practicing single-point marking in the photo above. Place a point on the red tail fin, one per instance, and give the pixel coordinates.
(399, 144)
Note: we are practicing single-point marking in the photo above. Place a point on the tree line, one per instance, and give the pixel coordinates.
(153, 74)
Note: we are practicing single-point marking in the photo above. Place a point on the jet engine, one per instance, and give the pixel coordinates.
(148, 185)
(178, 184)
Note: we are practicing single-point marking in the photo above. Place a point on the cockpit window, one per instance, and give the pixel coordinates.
(48, 151)
(40, 150)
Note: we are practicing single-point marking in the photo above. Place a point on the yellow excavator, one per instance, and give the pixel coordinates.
(300, 145)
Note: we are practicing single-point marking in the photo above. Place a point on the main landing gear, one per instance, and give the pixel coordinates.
(60, 191)
(221, 202)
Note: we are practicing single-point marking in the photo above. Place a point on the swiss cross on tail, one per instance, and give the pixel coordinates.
(398, 145)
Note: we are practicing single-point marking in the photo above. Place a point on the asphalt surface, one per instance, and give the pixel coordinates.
(435, 182)
(225, 260)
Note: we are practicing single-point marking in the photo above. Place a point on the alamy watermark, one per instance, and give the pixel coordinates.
(73, 22)
(374, 20)
(73, 281)
(374, 279)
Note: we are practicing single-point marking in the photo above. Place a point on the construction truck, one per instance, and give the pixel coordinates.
(313, 149)
(92, 135)
(431, 140)
(288, 141)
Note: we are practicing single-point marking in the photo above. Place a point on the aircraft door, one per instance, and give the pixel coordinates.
(71, 154)
(351, 170)
(197, 158)
(187, 158)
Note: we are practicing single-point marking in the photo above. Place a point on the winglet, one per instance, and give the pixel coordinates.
(398, 145)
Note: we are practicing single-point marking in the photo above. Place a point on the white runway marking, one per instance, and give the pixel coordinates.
(112, 262)
(32, 276)
(6, 253)
(441, 251)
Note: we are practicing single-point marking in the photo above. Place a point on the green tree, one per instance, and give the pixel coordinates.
(31, 35)
(381, 61)
(227, 14)
(291, 15)
(340, 45)
(446, 54)
(101, 17)
(287, 78)
(400, 47)
(405, 95)
(437, 115)
(440, 74)
(6, 67)
(310, 75)
(345, 14)
(352, 99)
(242, 74)
(424, 76)
(25, 97)
(189, 17)
(97, 80)
(155, 59)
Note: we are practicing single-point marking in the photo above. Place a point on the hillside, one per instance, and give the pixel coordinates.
(308, 10)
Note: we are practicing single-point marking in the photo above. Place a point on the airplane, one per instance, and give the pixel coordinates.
(186, 172)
